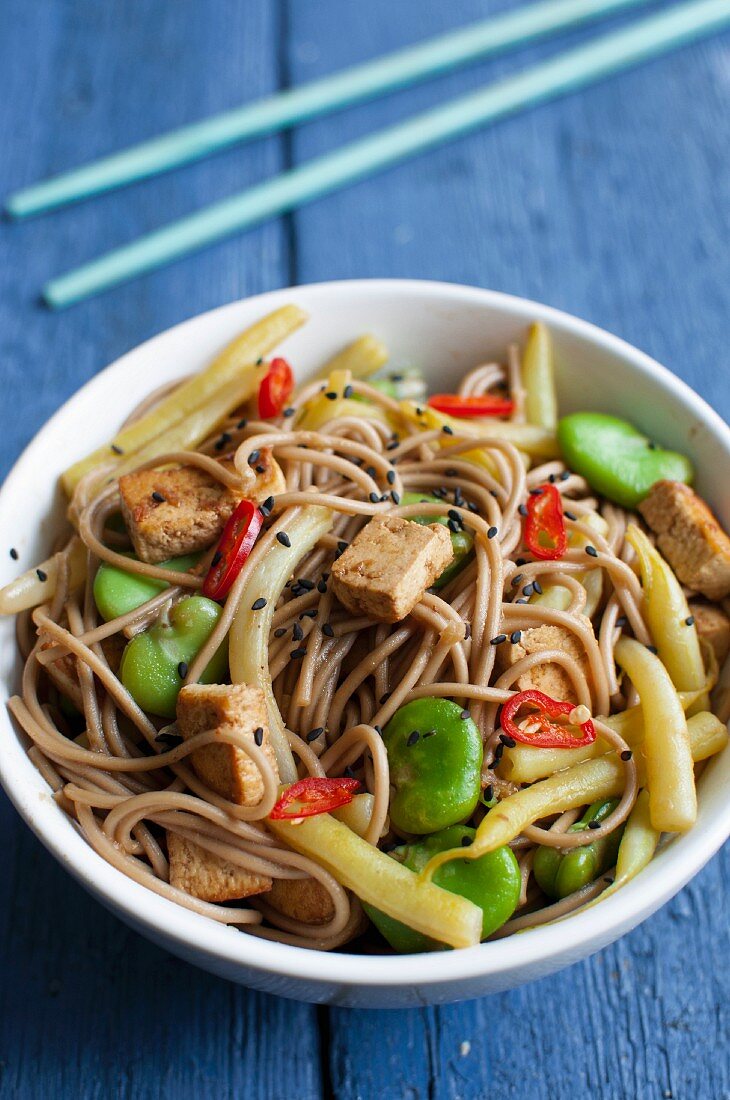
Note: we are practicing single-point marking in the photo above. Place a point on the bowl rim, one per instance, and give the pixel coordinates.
(574, 936)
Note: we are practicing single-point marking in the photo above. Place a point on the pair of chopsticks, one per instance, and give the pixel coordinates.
(568, 71)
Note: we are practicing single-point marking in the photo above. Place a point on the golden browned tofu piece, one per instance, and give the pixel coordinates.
(689, 537)
(225, 768)
(546, 677)
(302, 899)
(204, 875)
(713, 626)
(389, 565)
(179, 511)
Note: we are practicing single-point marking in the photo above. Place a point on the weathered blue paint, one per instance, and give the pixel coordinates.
(613, 205)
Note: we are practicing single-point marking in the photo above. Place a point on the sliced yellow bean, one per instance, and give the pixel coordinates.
(667, 615)
(236, 361)
(538, 378)
(531, 438)
(378, 879)
(248, 652)
(670, 775)
(362, 357)
(28, 590)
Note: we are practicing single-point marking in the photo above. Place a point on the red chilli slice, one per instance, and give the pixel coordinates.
(545, 534)
(236, 543)
(455, 405)
(313, 796)
(546, 734)
(275, 389)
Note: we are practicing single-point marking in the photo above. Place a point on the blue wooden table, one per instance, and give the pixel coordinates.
(614, 205)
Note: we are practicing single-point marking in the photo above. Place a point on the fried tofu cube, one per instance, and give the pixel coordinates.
(713, 626)
(547, 676)
(303, 899)
(224, 768)
(181, 510)
(204, 875)
(689, 537)
(389, 565)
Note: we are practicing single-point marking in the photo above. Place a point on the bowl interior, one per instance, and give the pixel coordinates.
(444, 330)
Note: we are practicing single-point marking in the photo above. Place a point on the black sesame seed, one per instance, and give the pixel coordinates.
(395, 497)
(594, 824)
(254, 457)
(466, 841)
(158, 497)
(689, 621)
(392, 445)
(374, 498)
(565, 475)
(322, 587)
(390, 477)
(652, 649)
(310, 614)
(14, 553)
(396, 377)
(283, 538)
(517, 578)
(289, 412)
(515, 636)
(442, 491)
(296, 654)
(522, 601)
(528, 589)
(464, 715)
(473, 508)
(280, 632)
(331, 395)
(260, 469)
(591, 550)
(621, 621)
(626, 754)
(216, 558)
(41, 575)
(536, 492)
(537, 587)
(306, 584)
(453, 514)
(315, 733)
(327, 630)
(258, 604)
(492, 532)
(570, 515)
(258, 735)
(182, 670)
(117, 450)
(241, 424)
(551, 479)
(507, 741)
(370, 471)
(522, 509)
(267, 507)
(412, 738)
(488, 793)
(498, 753)
(297, 632)
(222, 440)
(259, 361)
(447, 430)
(520, 561)
(453, 527)
(348, 391)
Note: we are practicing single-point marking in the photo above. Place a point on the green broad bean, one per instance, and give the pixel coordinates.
(559, 874)
(616, 459)
(117, 592)
(151, 663)
(435, 759)
(462, 542)
(492, 882)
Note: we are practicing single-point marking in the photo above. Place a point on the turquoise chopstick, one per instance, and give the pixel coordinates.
(265, 116)
(568, 71)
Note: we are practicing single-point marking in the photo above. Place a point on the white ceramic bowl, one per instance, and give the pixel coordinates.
(445, 329)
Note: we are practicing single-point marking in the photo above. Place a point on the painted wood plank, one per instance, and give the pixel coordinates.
(87, 1008)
